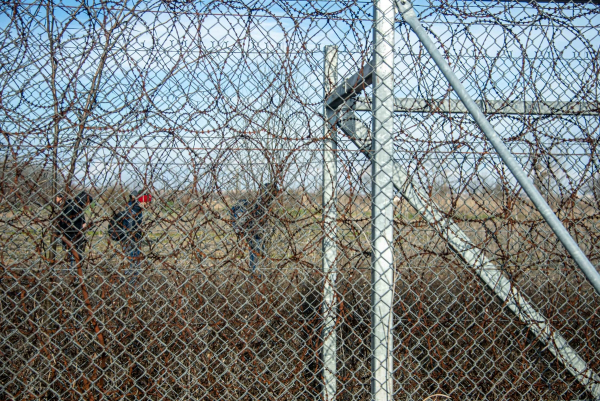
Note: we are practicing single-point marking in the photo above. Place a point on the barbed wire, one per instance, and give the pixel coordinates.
(203, 106)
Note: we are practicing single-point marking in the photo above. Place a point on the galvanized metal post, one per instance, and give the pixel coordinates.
(382, 191)
(329, 230)
(492, 275)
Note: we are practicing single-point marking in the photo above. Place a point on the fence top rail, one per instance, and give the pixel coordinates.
(488, 106)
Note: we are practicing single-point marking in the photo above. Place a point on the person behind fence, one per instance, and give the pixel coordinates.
(83, 200)
(250, 220)
(126, 227)
(69, 228)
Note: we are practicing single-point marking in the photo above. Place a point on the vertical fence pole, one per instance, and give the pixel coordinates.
(329, 230)
(382, 191)
(351, 125)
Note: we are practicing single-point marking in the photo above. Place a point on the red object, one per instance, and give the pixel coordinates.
(145, 198)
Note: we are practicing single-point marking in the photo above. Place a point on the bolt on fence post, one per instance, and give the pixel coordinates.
(382, 191)
(329, 229)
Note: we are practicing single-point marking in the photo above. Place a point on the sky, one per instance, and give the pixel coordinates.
(189, 89)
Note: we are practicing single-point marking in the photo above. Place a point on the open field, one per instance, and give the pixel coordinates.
(197, 323)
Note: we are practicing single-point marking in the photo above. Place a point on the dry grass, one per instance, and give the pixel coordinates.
(198, 324)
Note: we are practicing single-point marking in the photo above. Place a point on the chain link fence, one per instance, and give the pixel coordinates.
(288, 200)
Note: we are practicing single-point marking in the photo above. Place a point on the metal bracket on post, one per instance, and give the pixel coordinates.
(382, 207)
(329, 230)
(588, 269)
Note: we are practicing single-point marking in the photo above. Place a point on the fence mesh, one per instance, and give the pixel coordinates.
(193, 267)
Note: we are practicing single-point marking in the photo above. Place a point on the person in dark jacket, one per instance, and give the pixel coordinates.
(138, 201)
(250, 220)
(69, 228)
(83, 200)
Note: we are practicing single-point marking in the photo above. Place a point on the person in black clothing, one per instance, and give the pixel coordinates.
(133, 227)
(250, 221)
(84, 200)
(69, 228)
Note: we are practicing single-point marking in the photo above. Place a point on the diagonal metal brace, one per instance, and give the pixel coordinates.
(588, 269)
(350, 87)
(355, 129)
